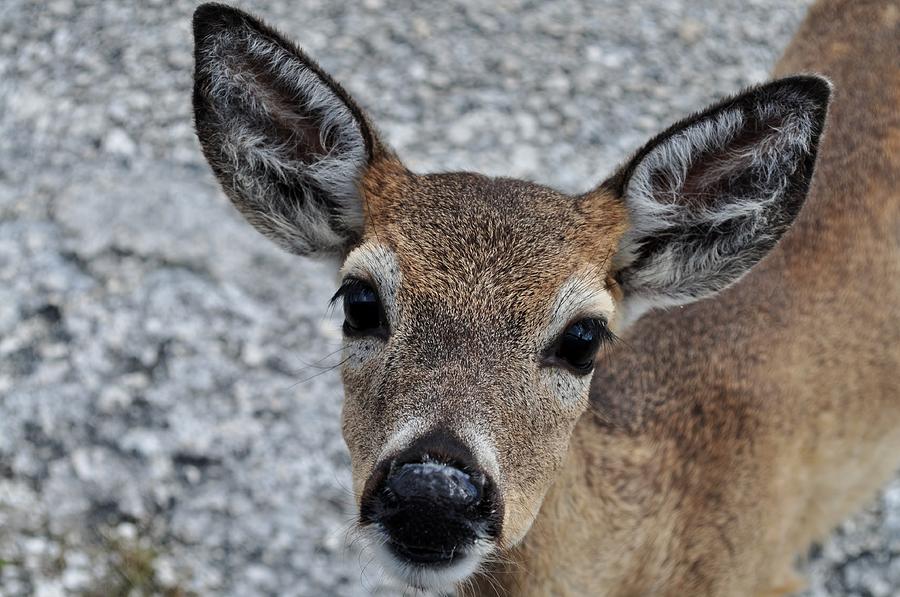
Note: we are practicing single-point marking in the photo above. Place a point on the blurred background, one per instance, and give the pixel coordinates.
(169, 422)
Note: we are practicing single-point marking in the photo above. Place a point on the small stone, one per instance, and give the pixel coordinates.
(528, 125)
(61, 7)
(77, 559)
(127, 532)
(690, 31)
(75, 579)
(557, 83)
(192, 474)
(253, 354)
(144, 442)
(118, 111)
(82, 463)
(261, 577)
(113, 398)
(118, 142)
(460, 133)
(44, 587)
(421, 27)
(525, 161)
(334, 540)
(164, 570)
(34, 546)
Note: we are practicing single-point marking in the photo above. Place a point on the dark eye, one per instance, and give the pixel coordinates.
(363, 314)
(579, 344)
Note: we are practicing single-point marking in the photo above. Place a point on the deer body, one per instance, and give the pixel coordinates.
(501, 441)
(728, 435)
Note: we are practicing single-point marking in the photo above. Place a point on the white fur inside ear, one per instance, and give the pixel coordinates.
(266, 103)
(705, 203)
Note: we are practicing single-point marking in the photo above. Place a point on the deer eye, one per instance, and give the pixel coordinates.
(579, 343)
(363, 312)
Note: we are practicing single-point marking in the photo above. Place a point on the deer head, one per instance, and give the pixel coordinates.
(475, 307)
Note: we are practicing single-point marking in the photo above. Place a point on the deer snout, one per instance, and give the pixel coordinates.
(430, 511)
(432, 504)
(435, 484)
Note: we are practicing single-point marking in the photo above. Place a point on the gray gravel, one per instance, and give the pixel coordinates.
(167, 417)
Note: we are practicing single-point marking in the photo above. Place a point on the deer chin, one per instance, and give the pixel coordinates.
(440, 576)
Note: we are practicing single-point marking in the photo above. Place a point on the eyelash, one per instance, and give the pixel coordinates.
(605, 338)
(348, 285)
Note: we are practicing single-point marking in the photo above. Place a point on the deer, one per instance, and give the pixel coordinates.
(671, 384)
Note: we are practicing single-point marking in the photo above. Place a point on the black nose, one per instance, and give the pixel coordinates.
(435, 484)
(431, 510)
(432, 501)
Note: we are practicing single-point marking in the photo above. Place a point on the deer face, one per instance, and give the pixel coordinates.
(476, 308)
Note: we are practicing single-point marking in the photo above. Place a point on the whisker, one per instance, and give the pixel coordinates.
(335, 366)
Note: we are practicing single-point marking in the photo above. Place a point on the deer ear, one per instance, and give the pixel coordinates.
(286, 142)
(710, 196)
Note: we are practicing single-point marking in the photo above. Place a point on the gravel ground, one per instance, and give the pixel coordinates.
(168, 421)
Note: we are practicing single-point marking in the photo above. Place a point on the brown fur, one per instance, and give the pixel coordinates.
(727, 435)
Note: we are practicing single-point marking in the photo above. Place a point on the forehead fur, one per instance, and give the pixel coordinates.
(493, 243)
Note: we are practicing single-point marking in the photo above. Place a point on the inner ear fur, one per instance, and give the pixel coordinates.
(711, 195)
(287, 142)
